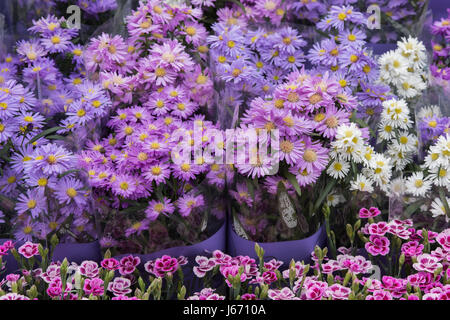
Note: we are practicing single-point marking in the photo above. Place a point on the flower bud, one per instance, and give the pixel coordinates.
(182, 293)
(401, 260)
(54, 240)
(357, 225)
(349, 230)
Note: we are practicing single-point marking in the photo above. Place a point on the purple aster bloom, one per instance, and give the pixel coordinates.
(288, 40)
(314, 158)
(238, 71)
(352, 38)
(31, 120)
(187, 203)
(34, 201)
(69, 190)
(171, 55)
(57, 42)
(332, 118)
(8, 106)
(31, 50)
(340, 15)
(155, 208)
(157, 172)
(137, 228)
(26, 230)
(291, 149)
(242, 195)
(51, 159)
(8, 127)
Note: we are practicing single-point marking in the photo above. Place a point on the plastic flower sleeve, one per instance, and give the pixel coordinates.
(160, 90)
(48, 112)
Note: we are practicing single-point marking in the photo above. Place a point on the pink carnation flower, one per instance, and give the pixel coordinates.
(29, 249)
(377, 245)
(426, 262)
(128, 264)
(89, 269)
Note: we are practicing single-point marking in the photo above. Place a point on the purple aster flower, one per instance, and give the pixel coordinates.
(315, 156)
(57, 42)
(51, 159)
(187, 203)
(34, 201)
(155, 208)
(69, 190)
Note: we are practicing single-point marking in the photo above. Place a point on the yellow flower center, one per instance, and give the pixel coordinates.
(51, 159)
(310, 155)
(191, 31)
(42, 182)
(56, 40)
(286, 146)
(71, 192)
(31, 204)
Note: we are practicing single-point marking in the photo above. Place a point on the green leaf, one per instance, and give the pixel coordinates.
(45, 133)
(324, 194)
(293, 180)
(413, 207)
(67, 173)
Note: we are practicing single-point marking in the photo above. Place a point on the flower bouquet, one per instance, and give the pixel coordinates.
(152, 190)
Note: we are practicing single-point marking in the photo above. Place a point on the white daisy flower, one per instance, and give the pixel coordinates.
(411, 86)
(397, 187)
(393, 67)
(379, 169)
(362, 184)
(333, 199)
(429, 112)
(418, 185)
(385, 131)
(406, 142)
(396, 113)
(338, 169)
(440, 176)
(438, 208)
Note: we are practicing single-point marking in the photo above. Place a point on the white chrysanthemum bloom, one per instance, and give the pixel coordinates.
(393, 67)
(379, 170)
(434, 159)
(413, 50)
(411, 86)
(429, 112)
(440, 176)
(396, 113)
(385, 131)
(362, 183)
(338, 169)
(418, 185)
(348, 138)
(398, 157)
(397, 187)
(438, 208)
(333, 199)
(405, 142)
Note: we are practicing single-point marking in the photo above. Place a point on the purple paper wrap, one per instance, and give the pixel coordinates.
(77, 252)
(205, 248)
(283, 250)
(380, 48)
(439, 8)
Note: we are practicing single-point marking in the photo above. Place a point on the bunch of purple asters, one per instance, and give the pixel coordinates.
(45, 114)
(441, 49)
(343, 53)
(254, 60)
(158, 81)
(309, 112)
